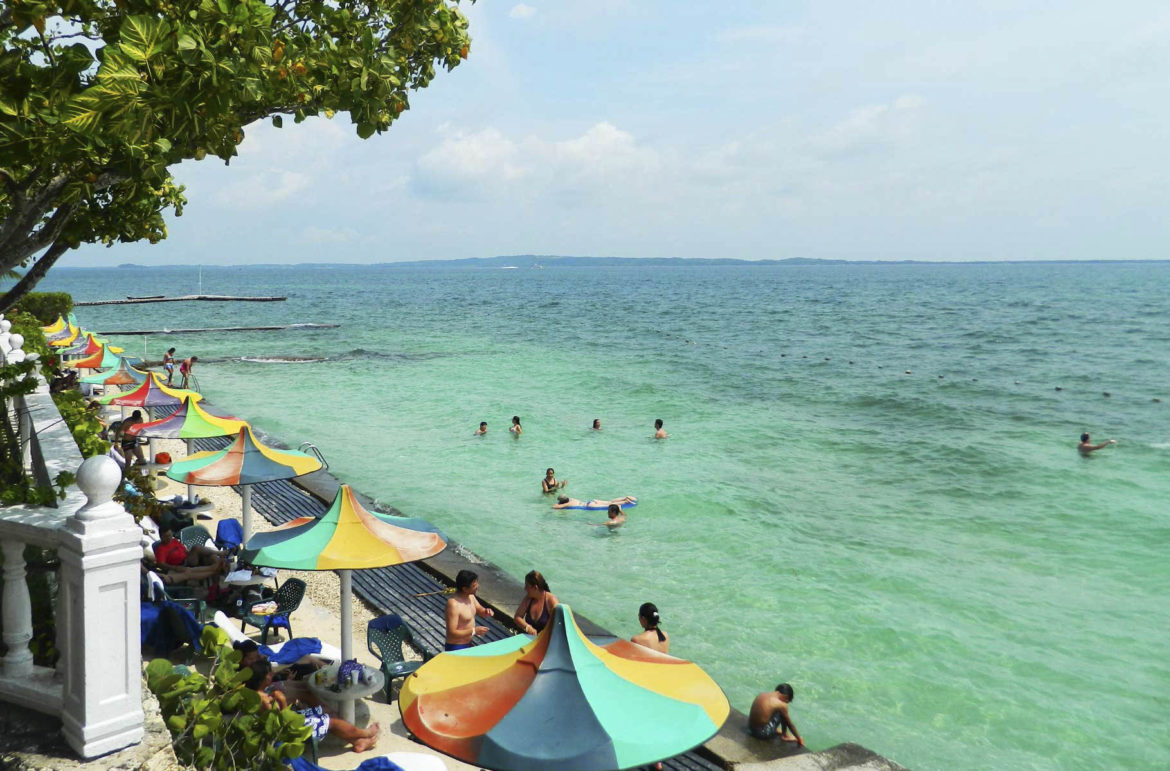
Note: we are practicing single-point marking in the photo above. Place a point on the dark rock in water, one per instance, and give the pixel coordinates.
(783, 355)
(850, 361)
(1106, 393)
(940, 377)
(826, 358)
(907, 372)
(1058, 388)
(1157, 400)
(1017, 382)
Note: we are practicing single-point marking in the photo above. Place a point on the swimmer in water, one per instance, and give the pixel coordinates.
(1086, 447)
(515, 427)
(482, 428)
(617, 517)
(549, 483)
(659, 431)
(597, 424)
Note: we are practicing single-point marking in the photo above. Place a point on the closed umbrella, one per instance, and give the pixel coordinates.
(558, 701)
(244, 462)
(347, 537)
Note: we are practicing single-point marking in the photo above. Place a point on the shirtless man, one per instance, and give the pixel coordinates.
(769, 715)
(1087, 447)
(169, 364)
(462, 609)
(659, 431)
(565, 502)
(617, 517)
(482, 429)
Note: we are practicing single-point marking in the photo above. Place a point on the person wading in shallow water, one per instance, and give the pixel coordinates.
(1086, 447)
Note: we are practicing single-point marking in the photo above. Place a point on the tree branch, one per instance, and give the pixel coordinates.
(14, 255)
(35, 274)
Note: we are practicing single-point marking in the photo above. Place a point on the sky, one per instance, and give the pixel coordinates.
(751, 130)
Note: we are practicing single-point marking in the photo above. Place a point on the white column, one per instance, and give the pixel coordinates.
(98, 604)
(17, 612)
(246, 514)
(190, 452)
(347, 708)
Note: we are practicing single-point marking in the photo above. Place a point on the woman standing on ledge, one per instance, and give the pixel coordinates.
(537, 607)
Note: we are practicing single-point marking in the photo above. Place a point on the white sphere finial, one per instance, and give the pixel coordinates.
(98, 477)
(5, 324)
(16, 341)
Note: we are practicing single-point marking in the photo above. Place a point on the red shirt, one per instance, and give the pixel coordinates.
(173, 553)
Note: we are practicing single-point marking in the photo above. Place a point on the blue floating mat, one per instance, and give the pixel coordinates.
(587, 507)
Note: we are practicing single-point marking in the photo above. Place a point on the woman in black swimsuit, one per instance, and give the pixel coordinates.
(537, 606)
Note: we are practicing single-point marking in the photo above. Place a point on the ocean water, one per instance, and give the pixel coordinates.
(870, 489)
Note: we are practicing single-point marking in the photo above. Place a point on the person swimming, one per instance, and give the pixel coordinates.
(617, 517)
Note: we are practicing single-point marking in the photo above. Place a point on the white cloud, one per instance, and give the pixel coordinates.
(262, 190)
(487, 164)
(522, 11)
(870, 127)
(761, 34)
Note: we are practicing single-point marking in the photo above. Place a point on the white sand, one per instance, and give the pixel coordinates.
(318, 616)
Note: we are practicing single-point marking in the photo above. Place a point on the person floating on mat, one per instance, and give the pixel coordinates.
(769, 716)
(462, 609)
(596, 504)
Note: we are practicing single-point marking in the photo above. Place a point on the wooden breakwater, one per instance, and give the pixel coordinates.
(275, 327)
(183, 298)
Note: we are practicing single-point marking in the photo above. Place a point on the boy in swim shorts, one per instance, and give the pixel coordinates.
(769, 715)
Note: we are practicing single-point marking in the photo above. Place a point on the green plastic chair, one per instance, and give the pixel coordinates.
(385, 636)
(287, 598)
(195, 535)
(185, 596)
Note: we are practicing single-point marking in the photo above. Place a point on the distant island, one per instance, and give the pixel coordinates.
(538, 261)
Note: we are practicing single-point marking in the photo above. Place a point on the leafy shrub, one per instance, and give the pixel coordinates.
(47, 306)
(83, 423)
(218, 722)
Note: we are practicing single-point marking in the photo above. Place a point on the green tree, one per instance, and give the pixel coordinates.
(99, 97)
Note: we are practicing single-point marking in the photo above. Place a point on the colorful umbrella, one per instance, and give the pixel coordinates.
(152, 393)
(346, 537)
(245, 462)
(558, 701)
(65, 337)
(55, 327)
(123, 374)
(104, 358)
(189, 422)
(91, 345)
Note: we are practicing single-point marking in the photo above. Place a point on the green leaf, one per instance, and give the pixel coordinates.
(144, 37)
(199, 731)
(277, 121)
(177, 723)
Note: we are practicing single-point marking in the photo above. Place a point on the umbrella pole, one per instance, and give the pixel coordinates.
(347, 709)
(247, 512)
(190, 487)
(150, 441)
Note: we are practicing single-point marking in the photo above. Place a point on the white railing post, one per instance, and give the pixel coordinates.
(98, 605)
(17, 612)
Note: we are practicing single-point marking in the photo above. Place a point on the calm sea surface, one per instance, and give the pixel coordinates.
(870, 489)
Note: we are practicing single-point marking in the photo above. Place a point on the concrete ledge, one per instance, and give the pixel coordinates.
(841, 756)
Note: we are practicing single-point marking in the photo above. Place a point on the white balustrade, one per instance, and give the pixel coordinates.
(96, 689)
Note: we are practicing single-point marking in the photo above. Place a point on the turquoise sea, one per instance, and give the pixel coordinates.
(870, 489)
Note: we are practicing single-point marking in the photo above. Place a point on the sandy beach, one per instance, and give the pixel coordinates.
(318, 616)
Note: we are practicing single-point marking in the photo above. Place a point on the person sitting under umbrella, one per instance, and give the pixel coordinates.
(316, 718)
